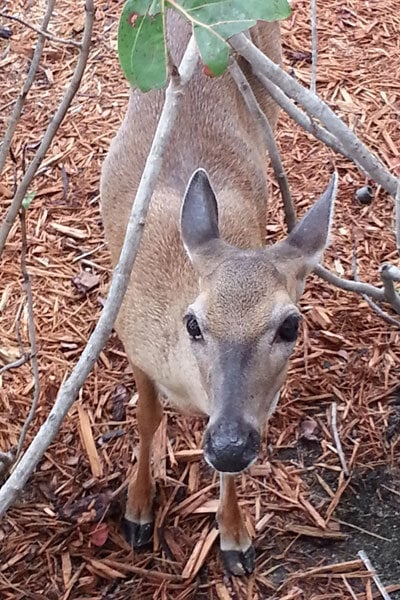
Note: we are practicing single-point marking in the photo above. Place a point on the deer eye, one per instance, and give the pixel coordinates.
(193, 328)
(289, 329)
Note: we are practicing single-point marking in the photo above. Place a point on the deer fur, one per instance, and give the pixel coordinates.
(206, 260)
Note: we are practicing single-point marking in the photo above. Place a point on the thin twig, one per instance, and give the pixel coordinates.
(16, 113)
(300, 117)
(380, 312)
(350, 286)
(18, 329)
(41, 31)
(336, 437)
(316, 108)
(375, 307)
(388, 275)
(52, 127)
(397, 216)
(357, 528)
(14, 365)
(32, 334)
(269, 139)
(314, 47)
(70, 388)
(374, 576)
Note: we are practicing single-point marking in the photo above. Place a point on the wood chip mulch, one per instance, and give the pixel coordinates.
(62, 539)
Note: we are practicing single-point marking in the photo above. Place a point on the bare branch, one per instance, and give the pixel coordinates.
(16, 113)
(269, 139)
(41, 32)
(389, 274)
(314, 47)
(300, 117)
(32, 334)
(380, 312)
(366, 290)
(315, 107)
(52, 128)
(348, 285)
(119, 284)
(397, 217)
(392, 271)
(375, 307)
(15, 364)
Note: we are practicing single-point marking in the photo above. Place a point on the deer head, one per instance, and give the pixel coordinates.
(244, 323)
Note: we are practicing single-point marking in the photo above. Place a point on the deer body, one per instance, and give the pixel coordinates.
(205, 300)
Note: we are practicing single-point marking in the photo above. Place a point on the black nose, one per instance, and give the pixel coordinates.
(231, 447)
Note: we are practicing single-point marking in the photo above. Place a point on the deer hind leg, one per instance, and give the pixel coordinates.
(237, 552)
(138, 522)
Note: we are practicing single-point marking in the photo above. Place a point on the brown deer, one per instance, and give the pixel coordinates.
(210, 316)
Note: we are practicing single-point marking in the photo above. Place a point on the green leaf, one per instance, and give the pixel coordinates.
(214, 52)
(225, 13)
(141, 44)
(27, 200)
(217, 20)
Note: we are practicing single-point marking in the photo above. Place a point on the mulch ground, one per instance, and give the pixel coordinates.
(62, 539)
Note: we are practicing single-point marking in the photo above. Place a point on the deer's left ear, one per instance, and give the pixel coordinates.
(304, 247)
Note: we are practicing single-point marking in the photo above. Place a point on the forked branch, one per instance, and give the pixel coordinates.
(16, 113)
(397, 217)
(346, 141)
(314, 47)
(42, 31)
(32, 335)
(284, 89)
(52, 127)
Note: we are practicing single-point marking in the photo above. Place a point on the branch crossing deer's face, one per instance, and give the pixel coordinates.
(244, 323)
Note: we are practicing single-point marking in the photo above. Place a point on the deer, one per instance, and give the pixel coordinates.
(210, 317)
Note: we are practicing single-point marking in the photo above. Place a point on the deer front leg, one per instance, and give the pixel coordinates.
(237, 551)
(138, 523)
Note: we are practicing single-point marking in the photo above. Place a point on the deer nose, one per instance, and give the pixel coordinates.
(231, 447)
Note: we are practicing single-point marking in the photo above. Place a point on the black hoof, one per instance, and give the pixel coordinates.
(239, 563)
(137, 535)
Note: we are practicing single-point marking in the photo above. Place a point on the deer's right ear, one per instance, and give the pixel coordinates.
(199, 217)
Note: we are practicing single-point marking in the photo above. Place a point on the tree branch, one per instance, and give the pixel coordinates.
(269, 139)
(350, 286)
(375, 307)
(52, 128)
(15, 364)
(314, 47)
(300, 117)
(16, 113)
(42, 31)
(389, 274)
(119, 284)
(32, 335)
(316, 108)
(397, 217)
(366, 290)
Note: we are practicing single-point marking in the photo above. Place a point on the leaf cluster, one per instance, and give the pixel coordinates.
(142, 42)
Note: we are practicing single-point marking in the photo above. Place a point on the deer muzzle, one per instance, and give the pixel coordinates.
(231, 446)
